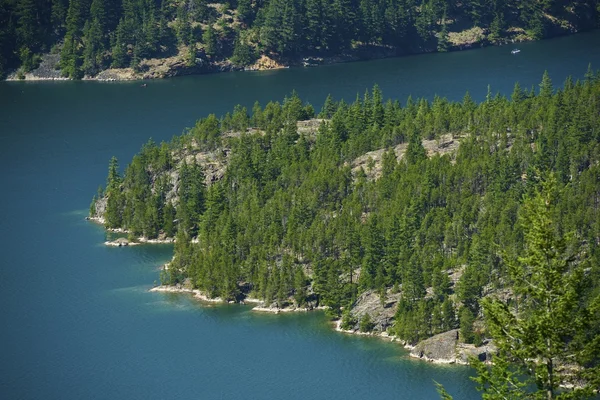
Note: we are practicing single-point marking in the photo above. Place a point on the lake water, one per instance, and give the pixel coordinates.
(77, 319)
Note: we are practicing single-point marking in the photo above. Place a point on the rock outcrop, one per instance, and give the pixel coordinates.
(380, 313)
(214, 163)
(46, 71)
(372, 161)
(120, 242)
(445, 348)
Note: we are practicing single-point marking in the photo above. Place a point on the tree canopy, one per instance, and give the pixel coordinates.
(438, 201)
(93, 35)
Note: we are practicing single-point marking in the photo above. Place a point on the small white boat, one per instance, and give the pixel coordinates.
(515, 51)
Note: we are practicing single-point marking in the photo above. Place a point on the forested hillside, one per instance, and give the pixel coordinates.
(93, 35)
(293, 212)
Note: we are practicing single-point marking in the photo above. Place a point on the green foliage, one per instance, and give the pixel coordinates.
(115, 204)
(348, 321)
(92, 55)
(278, 28)
(444, 395)
(259, 206)
(119, 51)
(366, 325)
(538, 332)
(243, 53)
(497, 28)
(443, 39)
(183, 27)
(191, 56)
(211, 42)
(466, 325)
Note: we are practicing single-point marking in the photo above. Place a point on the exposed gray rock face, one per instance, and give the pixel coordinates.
(100, 207)
(440, 348)
(46, 71)
(444, 348)
(372, 162)
(120, 242)
(381, 314)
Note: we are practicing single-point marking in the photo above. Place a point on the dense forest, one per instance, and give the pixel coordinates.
(288, 215)
(93, 35)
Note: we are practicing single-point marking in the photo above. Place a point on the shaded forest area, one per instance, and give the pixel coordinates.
(93, 35)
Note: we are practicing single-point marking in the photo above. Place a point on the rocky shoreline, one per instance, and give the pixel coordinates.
(123, 242)
(155, 68)
(259, 307)
(198, 294)
(159, 68)
(291, 309)
(443, 348)
(337, 326)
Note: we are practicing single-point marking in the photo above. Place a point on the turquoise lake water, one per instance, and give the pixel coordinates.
(77, 319)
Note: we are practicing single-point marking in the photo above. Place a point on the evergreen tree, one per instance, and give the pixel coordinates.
(244, 11)
(183, 27)
(211, 43)
(497, 28)
(291, 201)
(59, 16)
(373, 254)
(93, 47)
(114, 207)
(538, 332)
(443, 38)
(546, 86)
(243, 54)
(119, 50)
(415, 151)
(191, 54)
(71, 54)
(28, 32)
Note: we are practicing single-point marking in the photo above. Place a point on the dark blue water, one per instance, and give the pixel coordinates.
(77, 320)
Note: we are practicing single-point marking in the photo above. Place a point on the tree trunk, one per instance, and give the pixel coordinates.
(550, 381)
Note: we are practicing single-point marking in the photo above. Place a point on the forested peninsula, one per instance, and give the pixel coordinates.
(414, 219)
(136, 39)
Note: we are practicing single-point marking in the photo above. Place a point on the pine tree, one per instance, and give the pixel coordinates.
(466, 325)
(517, 94)
(373, 253)
(183, 26)
(136, 58)
(415, 151)
(329, 108)
(71, 54)
(443, 38)
(190, 59)
(245, 12)
(243, 54)
(537, 333)
(211, 43)
(58, 17)
(546, 86)
(119, 50)
(28, 32)
(92, 53)
(497, 28)
(366, 325)
(114, 207)
(300, 291)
